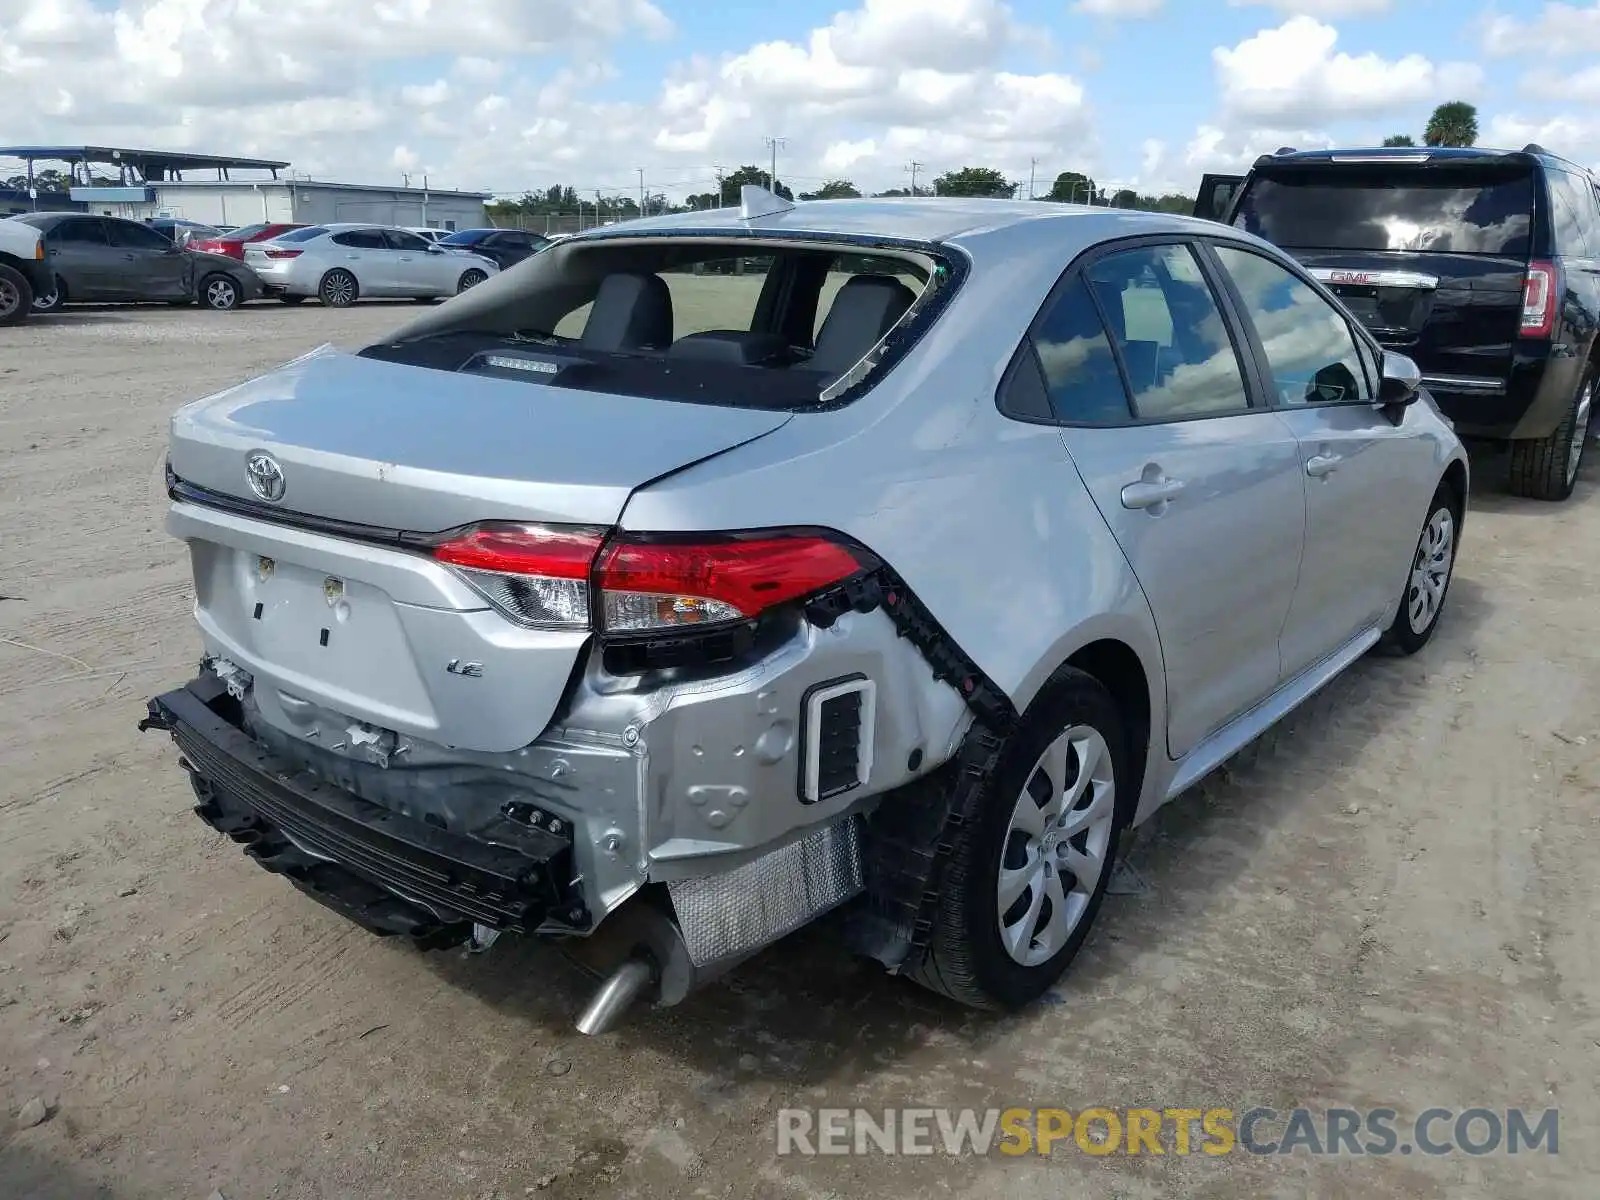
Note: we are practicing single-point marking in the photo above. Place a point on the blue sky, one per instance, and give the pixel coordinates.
(514, 94)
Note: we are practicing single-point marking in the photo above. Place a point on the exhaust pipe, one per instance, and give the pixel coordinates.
(616, 995)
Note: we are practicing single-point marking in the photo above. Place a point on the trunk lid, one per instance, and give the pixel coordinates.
(356, 644)
(403, 447)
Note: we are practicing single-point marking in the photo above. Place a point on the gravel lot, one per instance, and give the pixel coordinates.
(1395, 906)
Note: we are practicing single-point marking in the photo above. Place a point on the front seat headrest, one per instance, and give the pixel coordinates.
(865, 309)
(631, 312)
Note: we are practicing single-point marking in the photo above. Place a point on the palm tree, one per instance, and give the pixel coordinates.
(1453, 124)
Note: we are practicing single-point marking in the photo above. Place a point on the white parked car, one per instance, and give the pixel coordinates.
(339, 264)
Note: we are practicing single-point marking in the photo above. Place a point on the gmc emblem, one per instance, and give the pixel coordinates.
(1361, 277)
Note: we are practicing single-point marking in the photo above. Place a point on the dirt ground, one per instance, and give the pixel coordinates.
(1396, 906)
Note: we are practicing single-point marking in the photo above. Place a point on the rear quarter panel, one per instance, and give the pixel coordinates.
(985, 518)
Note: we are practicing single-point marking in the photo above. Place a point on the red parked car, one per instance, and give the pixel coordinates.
(233, 242)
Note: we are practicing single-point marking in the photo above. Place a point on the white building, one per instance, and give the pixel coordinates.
(141, 184)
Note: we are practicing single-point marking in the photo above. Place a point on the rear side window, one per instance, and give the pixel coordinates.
(302, 235)
(1449, 210)
(1080, 368)
(362, 239)
(1175, 348)
(1572, 213)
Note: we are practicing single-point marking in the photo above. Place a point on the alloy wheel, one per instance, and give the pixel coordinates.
(220, 293)
(339, 290)
(1055, 847)
(49, 301)
(1580, 430)
(1430, 570)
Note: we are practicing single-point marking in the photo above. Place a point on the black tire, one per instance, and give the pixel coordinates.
(51, 301)
(219, 292)
(16, 296)
(470, 279)
(338, 289)
(1407, 633)
(1547, 468)
(291, 300)
(966, 959)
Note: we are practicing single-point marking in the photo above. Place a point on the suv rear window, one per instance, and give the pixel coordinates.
(714, 321)
(1449, 210)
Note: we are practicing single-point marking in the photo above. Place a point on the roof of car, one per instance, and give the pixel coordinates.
(920, 219)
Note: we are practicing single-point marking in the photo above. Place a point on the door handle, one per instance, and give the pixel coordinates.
(1319, 465)
(1151, 493)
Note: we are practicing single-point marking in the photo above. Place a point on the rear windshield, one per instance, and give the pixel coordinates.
(244, 232)
(302, 235)
(1455, 210)
(747, 323)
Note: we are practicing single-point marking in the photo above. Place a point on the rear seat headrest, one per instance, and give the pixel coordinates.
(632, 311)
(865, 309)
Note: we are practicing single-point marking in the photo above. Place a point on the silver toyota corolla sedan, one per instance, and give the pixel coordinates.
(881, 561)
(339, 264)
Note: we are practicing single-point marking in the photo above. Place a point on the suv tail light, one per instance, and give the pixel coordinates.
(1541, 298)
(554, 577)
(284, 253)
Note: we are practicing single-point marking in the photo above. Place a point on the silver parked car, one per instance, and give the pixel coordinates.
(339, 264)
(886, 559)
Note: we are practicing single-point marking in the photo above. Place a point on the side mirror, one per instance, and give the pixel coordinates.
(1401, 382)
(435, 248)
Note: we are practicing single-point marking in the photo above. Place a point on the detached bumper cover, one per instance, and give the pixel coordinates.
(391, 873)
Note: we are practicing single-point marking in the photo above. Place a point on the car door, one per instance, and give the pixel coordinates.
(148, 266)
(1216, 195)
(365, 254)
(1368, 479)
(81, 257)
(418, 270)
(1200, 484)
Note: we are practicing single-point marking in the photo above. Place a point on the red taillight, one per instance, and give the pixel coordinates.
(542, 575)
(648, 585)
(284, 253)
(535, 574)
(1541, 299)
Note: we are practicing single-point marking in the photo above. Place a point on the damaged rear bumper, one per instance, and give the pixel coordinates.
(391, 873)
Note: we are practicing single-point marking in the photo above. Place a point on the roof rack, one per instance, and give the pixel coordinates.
(1534, 148)
(1286, 150)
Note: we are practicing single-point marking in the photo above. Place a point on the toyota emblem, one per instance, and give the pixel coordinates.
(265, 475)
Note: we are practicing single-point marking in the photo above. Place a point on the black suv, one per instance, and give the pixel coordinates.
(1481, 265)
(507, 247)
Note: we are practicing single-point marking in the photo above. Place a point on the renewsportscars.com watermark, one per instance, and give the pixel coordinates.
(1102, 1131)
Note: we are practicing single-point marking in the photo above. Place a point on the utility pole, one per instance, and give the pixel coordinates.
(773, 144)
(424, 200)
(717, 167)
(406, 175)
(914, 166)
(1033, 165)
(641, 192)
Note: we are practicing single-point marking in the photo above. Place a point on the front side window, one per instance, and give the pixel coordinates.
(1176, 352)
(400, 239)
(1313, 356)
(80, 232)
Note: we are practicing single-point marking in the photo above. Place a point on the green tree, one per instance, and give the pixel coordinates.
(1070, 187)
(974, 181)
(752, 175)
(50, 180)
(1125, 198)
(1454, 123)
(1398, 139)
(834, 189)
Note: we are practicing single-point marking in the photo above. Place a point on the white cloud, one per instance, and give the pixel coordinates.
(1293, 74)
(1577, 138)
(1583, 87)
(1558, 29)
(1118, 9)
(1324, 9)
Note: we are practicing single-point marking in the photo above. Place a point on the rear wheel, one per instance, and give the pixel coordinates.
(1428, 582)
(338, 289)
(16, 296)
(219, 292)
(471, 279)
(1547, 469)
(1030, 872)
